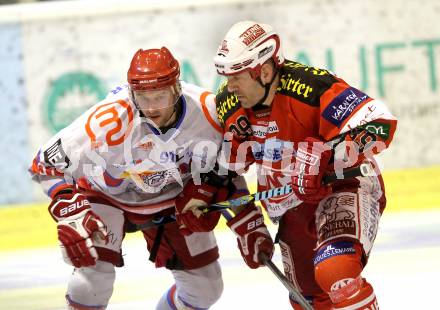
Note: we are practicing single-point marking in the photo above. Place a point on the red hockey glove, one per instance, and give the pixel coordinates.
(188, 215)
(311, 163)
(78, 229)
(252, 235)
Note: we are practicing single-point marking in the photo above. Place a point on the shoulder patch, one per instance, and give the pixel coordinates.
(342, 106)
(55, 156)
(226, 103)
(304, 83)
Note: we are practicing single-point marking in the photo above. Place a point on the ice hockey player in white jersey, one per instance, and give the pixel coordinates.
(125, 161)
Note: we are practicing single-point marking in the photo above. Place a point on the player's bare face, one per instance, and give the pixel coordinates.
(247, 90)
(157, 105)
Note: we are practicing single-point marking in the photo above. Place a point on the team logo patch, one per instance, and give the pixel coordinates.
(334, 249)
(155, 181)
(343, 105)
(224, 47)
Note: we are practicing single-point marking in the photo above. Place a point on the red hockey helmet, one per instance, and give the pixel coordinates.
(153, 69)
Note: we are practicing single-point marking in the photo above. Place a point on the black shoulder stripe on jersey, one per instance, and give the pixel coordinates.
(304, 83)
(226, 103)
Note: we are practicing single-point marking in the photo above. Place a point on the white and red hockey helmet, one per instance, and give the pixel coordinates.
(246, 46)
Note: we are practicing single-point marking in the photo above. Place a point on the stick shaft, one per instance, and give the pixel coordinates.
(294, 293)
(361, 170)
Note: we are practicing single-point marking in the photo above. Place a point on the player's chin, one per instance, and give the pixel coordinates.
(244, 102)
(247, 104)
(157, 119)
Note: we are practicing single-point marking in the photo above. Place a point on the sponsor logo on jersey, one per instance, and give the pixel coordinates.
(382, 130)
(259, 131)
(334, 249)
(313, 70)
(147, 145)
(341, 283)
(175, 156)
(294, 85)
(273, 149)
(273, 127)
(262, 131)
(307, 158)
(345, 288)
(343, 105)
(115, 119)
(261, 114)
(336, 217)
(226, 107)
(55, 156)
(268, 151)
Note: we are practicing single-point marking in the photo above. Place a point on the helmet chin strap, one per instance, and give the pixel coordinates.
(266, 87)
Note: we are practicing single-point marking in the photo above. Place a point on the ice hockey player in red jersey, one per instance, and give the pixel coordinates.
(125, 161)
(297, 123)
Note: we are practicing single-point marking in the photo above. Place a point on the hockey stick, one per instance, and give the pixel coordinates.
(293, 292)
(362, 170)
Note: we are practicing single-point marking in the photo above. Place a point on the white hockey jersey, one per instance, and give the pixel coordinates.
(113, 150)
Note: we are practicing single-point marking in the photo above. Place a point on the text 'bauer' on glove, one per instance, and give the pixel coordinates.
(252, 235)
(79, 228)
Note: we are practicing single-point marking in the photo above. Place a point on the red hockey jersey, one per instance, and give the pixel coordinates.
(309, 102)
